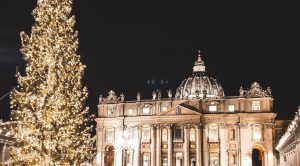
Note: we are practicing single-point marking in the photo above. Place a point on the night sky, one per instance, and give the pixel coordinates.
(127, 44)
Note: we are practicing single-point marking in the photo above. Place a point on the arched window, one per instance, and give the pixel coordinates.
(193, 162)
(179, 157)
(165, 135)
(128, 157)
(232, 158)
(109, 157)
(192, 135)
(165, 162)
(232, 134)
(146, 159)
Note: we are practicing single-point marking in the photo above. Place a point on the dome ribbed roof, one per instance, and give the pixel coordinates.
(199, 85)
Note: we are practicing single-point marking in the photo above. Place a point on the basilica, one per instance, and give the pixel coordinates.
(198, 125)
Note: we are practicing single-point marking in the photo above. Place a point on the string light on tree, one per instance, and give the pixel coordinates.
(50, 121)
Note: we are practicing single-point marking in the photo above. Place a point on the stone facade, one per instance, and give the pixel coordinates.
(6, 141)
(289, 144)
(199, 126)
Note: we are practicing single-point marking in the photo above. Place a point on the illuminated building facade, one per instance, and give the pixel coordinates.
(289, 144)
(198, 126)
(6, 141)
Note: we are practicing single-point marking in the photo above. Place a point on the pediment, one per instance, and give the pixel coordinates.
(179, 110)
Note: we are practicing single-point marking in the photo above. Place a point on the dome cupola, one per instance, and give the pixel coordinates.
(199, 64)
(199, 85)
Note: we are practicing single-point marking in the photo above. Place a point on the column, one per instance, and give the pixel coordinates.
(186, 145)
(238, 140)
(153, 143)
(170, 147)
(119, 157)
(223, 137)
(119, 150)
(99, 142)
(198, 146)
(205, 147)
(268, 139)
(137, 148)
(245, 143)
(158, 146)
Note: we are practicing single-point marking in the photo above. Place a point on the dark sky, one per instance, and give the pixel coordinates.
(125, 44)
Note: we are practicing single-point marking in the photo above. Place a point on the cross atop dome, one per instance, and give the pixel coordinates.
(199, 64)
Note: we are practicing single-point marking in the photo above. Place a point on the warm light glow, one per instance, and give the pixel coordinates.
(290, 129)
(247, 161)
(119, 143)
(255, 105)
(213, 134)
(164, 109)
(212, 108)
(164, 135)
(257, 133)
(192, 135)
(231, 108)
(146, 110)
(50, 120)
(257, 136)
(145, 134)
(126, 134)
(130, 111)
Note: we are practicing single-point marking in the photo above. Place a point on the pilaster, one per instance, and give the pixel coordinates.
(186, 145)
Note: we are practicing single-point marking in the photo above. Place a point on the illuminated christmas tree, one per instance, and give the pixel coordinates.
(51, 123)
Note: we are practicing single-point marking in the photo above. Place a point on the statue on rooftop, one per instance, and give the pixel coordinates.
(158, 94)
(153, 95)
(122, 97)
(170, 93)
(242, 91)
(138, 96)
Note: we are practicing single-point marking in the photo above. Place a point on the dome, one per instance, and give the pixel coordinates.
(199, 84)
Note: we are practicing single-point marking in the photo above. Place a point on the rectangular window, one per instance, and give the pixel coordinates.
(165, 135)
(111, 110)
(255, 105)
(213, 134)
(178, 134)
(257, 133)
(212, 108)
(146, 110)
(192, 135)
(164, 109)
(145, 134)
(231, 108)
(232, 134)
(130, 111)
(110, 134)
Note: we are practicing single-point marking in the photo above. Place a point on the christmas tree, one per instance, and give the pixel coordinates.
(51, 123)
